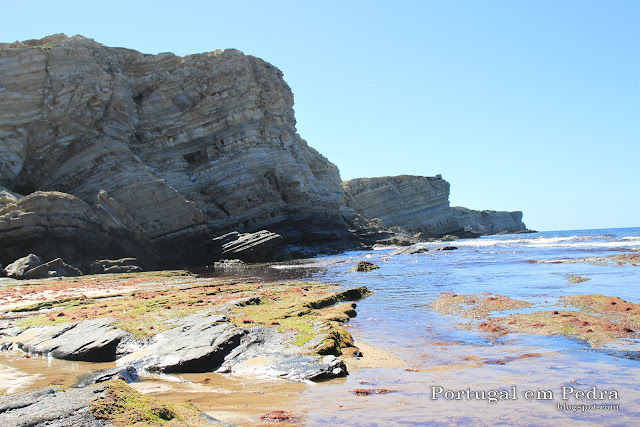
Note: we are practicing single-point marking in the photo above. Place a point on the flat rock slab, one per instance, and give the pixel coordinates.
(55, 268)
(51, 407)
(411, 250)
(199, 343)
(89, 341)
(128, 374)
(247, 246)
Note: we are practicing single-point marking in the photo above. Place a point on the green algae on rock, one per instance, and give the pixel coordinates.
(364, 266)
(307, 315)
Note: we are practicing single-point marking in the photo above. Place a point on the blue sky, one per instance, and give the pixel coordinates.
(520, 105)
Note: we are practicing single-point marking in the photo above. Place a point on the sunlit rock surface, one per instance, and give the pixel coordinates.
(182, 149)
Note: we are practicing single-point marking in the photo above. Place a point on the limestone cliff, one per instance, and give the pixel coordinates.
(420, 204)
(183, 148)
(415, 203)
(487, 221)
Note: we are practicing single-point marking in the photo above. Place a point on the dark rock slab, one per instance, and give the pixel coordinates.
(111, 266)
(199, 343)
(353, 294)
(262, 245)
(327, 368)
(128, 374)
(89, 341)
(51, 407)
(54, 268)
(411, 250)
(54, 407)
(19, 267)
(446, 248)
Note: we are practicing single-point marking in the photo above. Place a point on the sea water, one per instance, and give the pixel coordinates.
(440, 355)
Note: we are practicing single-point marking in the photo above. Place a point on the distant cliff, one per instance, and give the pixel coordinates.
(415, 203)
(420, 204)
(168, 151)
(489, 222)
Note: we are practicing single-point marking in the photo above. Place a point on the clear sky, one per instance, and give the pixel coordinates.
(520, 105)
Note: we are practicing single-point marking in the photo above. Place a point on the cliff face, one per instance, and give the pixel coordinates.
(489, 222)
(415, 203)
(421, 204)
(183, 148)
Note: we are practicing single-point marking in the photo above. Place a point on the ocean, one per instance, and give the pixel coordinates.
(442, 356)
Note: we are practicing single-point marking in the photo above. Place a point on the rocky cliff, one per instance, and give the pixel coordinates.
(168, 151)
(489, 222)
(415, 203)
(420, 204)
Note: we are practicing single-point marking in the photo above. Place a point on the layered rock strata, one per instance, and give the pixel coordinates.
(415, 203)
(420, 204)
(53, 225)
(489, 222)
(184, 148)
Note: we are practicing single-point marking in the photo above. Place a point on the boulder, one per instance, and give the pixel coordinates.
(54, 268)
(87, 341)
(18, 268)
(365, 266)
(329, 367)
(108, 266)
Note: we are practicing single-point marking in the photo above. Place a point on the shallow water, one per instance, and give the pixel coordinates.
(398, 317)
(437, 353)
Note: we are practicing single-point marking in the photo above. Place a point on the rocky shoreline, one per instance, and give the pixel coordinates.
(172, 322)
(119, 169)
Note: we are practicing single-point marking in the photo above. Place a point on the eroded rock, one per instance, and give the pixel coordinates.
(364, 266)
(19, 267)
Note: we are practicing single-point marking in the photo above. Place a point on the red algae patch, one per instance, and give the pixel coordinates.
(370, 391)
(475, 306)
(599, 319)
(278, 416)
